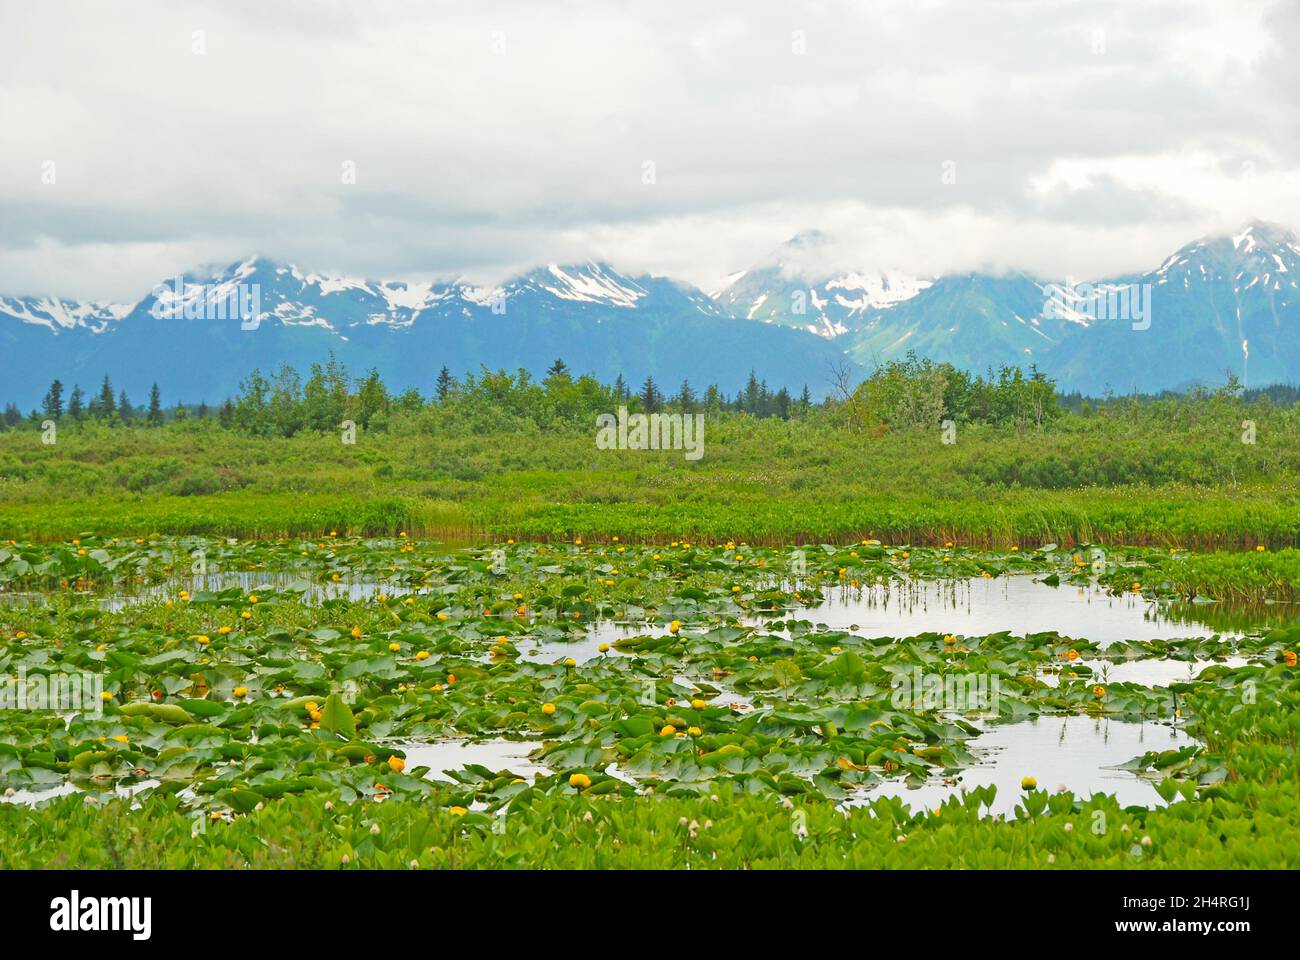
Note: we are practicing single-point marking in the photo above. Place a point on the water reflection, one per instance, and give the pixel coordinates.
(1077, 753)
(1020, 604)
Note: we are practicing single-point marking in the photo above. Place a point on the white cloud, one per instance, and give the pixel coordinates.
(491, 136)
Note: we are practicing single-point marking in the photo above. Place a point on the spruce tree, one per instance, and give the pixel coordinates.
(155, 415)
(650, 396)
(53, 402)
(105, 404)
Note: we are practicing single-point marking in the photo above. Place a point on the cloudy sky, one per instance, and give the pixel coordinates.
(404, 140)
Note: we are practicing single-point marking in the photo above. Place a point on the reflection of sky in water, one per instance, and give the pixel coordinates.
(443, 755)
(312, 588)
(1073, 752)
(33, 797)
(584, 647)
(1148, 673)
(1020, 604)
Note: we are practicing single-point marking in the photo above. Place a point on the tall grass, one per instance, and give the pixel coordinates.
(1175, 474)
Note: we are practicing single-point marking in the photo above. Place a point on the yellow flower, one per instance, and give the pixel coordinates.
(224, 630)
(247, 615)
(1073, 655)
(693, 731)
(548, 709)
(1028, 783)
(1261, 548)
(122, 738)
(698, 704)
(106, 695)
(579, 780)
(356, 633)
(252, 598)
(1099, 691)
(458, 811)
(396, 764)
(570, 662)
(203, 638)
(668, 730)
(674, 626)
(394, 647)
(442, 616)
(603, 648)
(240, 691)
(422, 655)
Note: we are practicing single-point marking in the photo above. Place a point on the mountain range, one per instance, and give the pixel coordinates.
(593, 317)
(1220, 304)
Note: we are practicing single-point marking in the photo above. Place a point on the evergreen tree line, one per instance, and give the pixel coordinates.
(285, 403)
(104, 406)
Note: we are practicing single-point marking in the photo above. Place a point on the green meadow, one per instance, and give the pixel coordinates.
(929, 625)
(1173, 473)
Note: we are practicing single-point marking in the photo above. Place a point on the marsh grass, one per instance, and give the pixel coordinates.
(1175, 474)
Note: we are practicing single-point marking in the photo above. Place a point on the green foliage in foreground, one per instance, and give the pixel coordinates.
(1240, 827)
(222, 708)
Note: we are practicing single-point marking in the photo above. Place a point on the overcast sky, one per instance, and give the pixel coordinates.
(1062, 138)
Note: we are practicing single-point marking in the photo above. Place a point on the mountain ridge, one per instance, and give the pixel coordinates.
(1221, 304)
(597, 319)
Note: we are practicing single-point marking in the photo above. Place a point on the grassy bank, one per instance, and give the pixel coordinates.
(1138, 478)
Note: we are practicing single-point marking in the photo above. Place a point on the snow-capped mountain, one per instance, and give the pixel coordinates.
(1221, 304)
(199, 334)
(973, 321)
(792, 287)
(58, 315)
